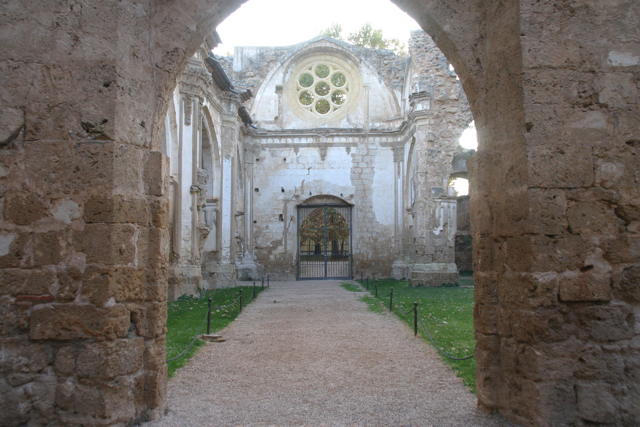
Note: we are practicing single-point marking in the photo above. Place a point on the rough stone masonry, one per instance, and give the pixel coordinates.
(85, 189)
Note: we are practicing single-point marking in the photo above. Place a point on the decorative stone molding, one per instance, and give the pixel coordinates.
(398, 154)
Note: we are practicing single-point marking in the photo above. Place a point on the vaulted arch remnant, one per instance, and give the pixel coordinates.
(84, 238)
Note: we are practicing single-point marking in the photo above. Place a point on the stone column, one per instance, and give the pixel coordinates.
(247, 268)
(185, 274)
(433, 230)
(400, 269)
(222, 270)
(83, 228)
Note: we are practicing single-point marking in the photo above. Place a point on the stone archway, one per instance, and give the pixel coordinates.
(553, 90)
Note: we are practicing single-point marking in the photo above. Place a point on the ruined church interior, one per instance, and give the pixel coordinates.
(259, 142)
(137, 167)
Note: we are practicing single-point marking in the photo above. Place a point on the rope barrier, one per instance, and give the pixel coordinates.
(436, 345)
(239, 298)
(226, 306)
(427, 332)
(405, 312)
(192, 341)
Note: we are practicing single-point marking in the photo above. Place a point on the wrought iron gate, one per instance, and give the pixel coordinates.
(324, 242)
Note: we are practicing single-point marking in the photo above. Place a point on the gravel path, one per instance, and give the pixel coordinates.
(310, 353)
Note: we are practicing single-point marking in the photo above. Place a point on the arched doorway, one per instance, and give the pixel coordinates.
(552, 90)
(325, 239)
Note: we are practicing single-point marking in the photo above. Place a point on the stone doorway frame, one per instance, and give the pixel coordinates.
(327, 268)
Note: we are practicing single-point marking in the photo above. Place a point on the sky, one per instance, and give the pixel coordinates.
(288, 22)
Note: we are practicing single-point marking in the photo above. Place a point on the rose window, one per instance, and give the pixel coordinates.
(322, 88)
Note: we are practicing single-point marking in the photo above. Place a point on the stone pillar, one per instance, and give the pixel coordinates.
(247, 267)
(222, 270)
(555, 218)
(84, 216)
(434, 227)
(185, 273)
(400, 268)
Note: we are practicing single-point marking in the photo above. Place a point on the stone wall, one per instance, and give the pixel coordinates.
(553, 89)
(464, 245)
(554, 216)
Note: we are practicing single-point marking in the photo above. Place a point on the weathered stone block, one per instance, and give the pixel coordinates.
(547, 210)
(116, 209)
(589, 362)
(550, 361)
(157, 282)
(528, 290)
(17, 250)
(591, 218)
(487, 254)
(65, 363)
(595, 402)
(121, 283)
(155, 389)
(68, 286)
(158, 247)
(73, 321)
(157, 174)
(95, 402)
(543, 324)
(579, 286)
(49, 248)
(24, 208)
(544, 253)
(555, 167)
(486, 287)
(626, 285)
(108, 360)
(159, 212)
(555, 400)
(26, 282)
(485, 318)
(609, 322)
(150, 319)
(31, 358)
(61, 167)
(8, 315)
(107, 243)
(128, 168)
(513, 216)
(155, 354)
(622, 249)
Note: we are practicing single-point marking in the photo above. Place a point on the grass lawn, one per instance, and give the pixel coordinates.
(447, 313)
(185, 316)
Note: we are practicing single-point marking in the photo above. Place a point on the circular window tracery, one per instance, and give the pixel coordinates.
(322, 88)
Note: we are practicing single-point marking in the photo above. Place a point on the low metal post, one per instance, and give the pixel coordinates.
(254, 290)
(268, 281)
(262, 282)
(391, 300)
(361, 276)
(209, 317)
(240, 299)
(415, 319)
(367, 282)
(376, 288)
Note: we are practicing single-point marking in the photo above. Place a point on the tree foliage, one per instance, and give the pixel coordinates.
(366, 37)
(334, 31)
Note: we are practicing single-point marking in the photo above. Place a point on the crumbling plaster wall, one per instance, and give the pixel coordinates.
(371, 164)
(333, 169)
(252, 66)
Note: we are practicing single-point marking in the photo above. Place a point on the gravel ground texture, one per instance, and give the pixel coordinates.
(309, 353)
